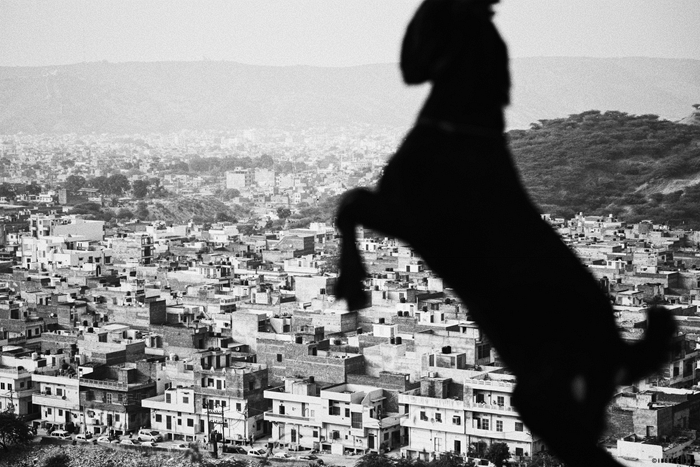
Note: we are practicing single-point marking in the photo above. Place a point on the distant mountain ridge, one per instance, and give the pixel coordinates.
(171, 96)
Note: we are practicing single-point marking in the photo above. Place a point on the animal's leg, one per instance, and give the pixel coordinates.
(359, 207)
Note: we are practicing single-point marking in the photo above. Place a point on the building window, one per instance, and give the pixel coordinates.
(347, 412)
(519, 426)
(190, 422)
(116, 417)
(423, 416)
(500, 400)
(279, 357)
(185, 400)
(159, 418)
(334, 408)
(456, 420)
(281, 409)
(108, 398)
(438, 417)
(519, 452)
(218, 384)
(251, 385)
(48, 411)
(499, 425)
(59, 391)
(356, 420)
(484, 424)
(238, 406)
(60, 413)
(167, 398)
(120, 398)
(179, 421)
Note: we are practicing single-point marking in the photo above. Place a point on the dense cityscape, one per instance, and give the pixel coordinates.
(129, 321)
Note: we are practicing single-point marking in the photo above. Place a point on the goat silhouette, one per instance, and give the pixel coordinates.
(452, 192)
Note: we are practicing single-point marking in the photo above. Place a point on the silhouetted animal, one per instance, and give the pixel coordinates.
(452, 192)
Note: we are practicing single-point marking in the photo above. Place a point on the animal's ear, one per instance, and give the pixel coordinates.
(425, 42)
(439, 33)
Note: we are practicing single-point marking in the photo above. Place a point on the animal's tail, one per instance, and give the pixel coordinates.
(646, 357)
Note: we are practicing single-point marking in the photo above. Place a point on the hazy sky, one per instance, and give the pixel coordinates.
(324, 32)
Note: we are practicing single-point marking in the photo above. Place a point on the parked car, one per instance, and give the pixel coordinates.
(234, 449)
(258, 452)
(106, 439)
(145, 434)
(61, 434)
(281, 455)
(83, 436)
(129, 442)
(180, 446)
(151, 444)
(308, 457)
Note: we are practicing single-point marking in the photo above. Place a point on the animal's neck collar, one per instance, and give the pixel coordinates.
(461, 128)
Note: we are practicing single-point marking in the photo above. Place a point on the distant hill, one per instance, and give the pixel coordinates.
(170, 96)
(638, 167)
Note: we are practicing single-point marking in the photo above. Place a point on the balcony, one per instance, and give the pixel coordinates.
(490, 408)
(59, 402)
(433, 402)
(114, 385)
(490, 384)
(14, 372)
(270, 416)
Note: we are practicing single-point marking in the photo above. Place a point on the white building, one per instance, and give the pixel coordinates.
(439, 422)
(344, 419)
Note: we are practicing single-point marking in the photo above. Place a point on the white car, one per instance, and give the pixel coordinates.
(281, 455)
(146, 434)
(83, 436)
(129, 442)
(180, 446)
(259, 452)
(61, 434)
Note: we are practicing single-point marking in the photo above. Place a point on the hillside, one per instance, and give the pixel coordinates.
(170, 96)
(640, 167)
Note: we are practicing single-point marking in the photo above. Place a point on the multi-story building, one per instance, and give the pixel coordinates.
(173, 413)
(344, 419)
(226, 402)
(137, 248)
(16, 390)
(439, 421)
(110, 397)
(239, 178)
(58, 400)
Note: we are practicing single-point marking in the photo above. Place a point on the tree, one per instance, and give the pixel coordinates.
(117, 184)
(142, 210)
(283, 213)
(498, 453)
(74, 183)
(374, 459)
(266, 161)
(13, 430)
(545, 459)
(446, 459)
(99, 183)
(124, 213)
(140, 188)
(230, 193)
(224, 217)
(477, 449)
